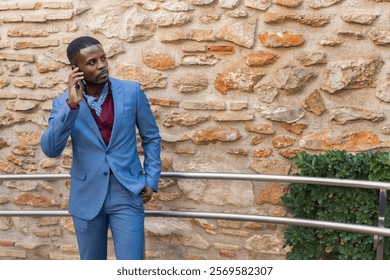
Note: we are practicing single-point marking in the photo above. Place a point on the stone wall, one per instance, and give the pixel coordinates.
(235, 85)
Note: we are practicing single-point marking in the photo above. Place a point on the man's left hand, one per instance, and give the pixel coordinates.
(147, 194)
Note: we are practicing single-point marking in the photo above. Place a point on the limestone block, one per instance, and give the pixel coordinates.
(219, 49)
(24, 84)
(314, 103)
(13, 254)
(21, 224)
(380, 35)
(33, 200)
(5, 223)
(214, 134)
(237, 151)
(296, 128)
(269, 166)
(209, 105)
(175, 6)
(257, 140)
(3, 200)
(201, 2)
(261, 5)
(289, 3)
(229, 4)
(177, 35)
(232, 232)
(23, 186)
(7, 167)
(266, 92)
(365, 19)
(35, 18)
(235, 78)
(228, 192)
(232, 117)
(289, 153)
(67, 223)
(265, 128)
(46, 221)
(272, 194)
(313, 58)
(262, 153)
(17, 57)
(191, 83)
(358, 35)
(345, 114)
(280, 39)
(28, 31)
(180, 230)
(147, 78)
(319, 4)
(307, 19)
(163, 102)
(281, 113)
(237, 13)
(266, 244)
(329, 42)
(291, 79)
(282, 142)
(123, 22)
(241, 33)
(209, 19)
(225, 246)
(351, 74)
(176, 19)
(193, 47)
(8, 119)
(158, 60)
(183, 118)
(3, 83)
(260, 58)
(354, 141)
(11, 18)
(198, 60)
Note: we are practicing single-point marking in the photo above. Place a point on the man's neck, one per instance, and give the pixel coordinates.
(94, 90)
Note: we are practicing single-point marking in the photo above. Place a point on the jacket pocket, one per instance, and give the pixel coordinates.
(79, 174)
(135, 168)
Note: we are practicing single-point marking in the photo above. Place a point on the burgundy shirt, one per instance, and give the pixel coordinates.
(106, 120)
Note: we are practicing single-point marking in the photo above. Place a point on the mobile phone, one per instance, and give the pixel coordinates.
(77, 84)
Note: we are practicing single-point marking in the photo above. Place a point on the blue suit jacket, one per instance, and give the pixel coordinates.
(93, 159)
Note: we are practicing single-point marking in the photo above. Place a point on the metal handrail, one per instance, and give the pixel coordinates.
(229, 176)
(379, 232)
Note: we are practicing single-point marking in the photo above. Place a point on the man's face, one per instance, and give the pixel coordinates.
(93, 63)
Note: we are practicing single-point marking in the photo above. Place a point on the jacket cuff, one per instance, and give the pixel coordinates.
(71, 106)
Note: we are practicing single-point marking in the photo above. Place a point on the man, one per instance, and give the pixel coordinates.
(108, 183)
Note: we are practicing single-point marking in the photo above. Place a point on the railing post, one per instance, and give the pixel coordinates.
(379, 240)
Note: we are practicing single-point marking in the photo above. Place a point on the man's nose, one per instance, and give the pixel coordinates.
(101, 64)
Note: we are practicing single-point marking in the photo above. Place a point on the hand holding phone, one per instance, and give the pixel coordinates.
(76, 85)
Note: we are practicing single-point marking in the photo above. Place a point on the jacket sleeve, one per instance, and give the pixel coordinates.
(151, 140)
(61, 122)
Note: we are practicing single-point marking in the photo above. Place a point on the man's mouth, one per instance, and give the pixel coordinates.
(103, 73)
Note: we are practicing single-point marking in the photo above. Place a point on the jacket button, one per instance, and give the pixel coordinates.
(105, 173)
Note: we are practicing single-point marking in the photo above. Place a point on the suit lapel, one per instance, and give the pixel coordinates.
(86, 115)
(117, 95)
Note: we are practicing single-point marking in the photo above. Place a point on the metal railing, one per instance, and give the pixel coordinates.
(378, 232)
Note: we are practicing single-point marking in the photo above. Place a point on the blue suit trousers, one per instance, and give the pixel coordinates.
(123, 212)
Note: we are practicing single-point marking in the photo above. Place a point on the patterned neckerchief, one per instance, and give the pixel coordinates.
(96, 103)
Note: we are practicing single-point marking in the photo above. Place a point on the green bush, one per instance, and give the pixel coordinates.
(338, 204)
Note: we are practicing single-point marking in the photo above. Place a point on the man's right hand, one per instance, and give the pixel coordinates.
(75, 92)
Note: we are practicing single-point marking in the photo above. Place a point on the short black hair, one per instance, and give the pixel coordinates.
(78, 44)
